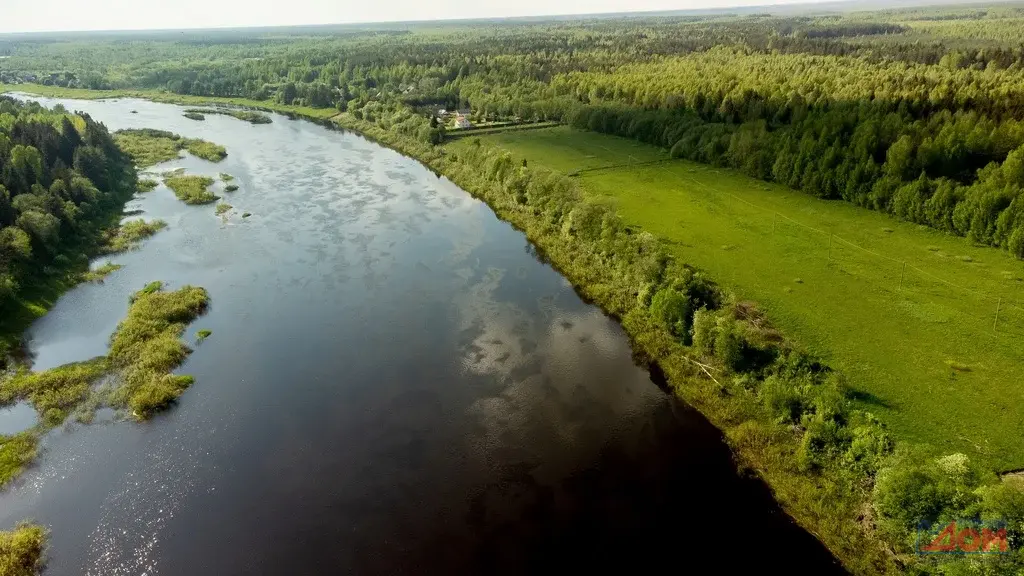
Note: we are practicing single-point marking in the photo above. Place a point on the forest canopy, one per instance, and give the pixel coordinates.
(912, 112)
(916, 113)
(61, 179)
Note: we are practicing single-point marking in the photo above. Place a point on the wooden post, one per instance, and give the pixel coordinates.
(996, 321)
(903, 272)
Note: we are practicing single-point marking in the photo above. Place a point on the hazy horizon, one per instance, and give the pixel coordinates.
(130, 15)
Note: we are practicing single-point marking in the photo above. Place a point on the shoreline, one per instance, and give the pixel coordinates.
(771, 459)
(818, 503)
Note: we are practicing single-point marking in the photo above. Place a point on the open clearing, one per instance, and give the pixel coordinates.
(922, 343)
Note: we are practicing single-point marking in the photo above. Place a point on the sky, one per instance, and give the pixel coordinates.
(60, 15)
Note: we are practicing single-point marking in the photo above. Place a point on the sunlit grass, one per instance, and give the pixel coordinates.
(895, 331)
(127, 236)
(21, 550)
(148, 147)
(192, 189)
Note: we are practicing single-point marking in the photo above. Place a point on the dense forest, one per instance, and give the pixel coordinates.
(916, 112)
(61, 181)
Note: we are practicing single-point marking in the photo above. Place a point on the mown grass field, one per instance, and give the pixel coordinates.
(920, 343)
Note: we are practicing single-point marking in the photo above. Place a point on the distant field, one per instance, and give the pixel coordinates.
(921, 343)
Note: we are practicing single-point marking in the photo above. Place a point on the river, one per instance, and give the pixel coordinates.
(395, 384)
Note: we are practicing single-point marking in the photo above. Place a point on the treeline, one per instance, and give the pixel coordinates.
(945, 164)
(906, 112)
(61, 179)
(334, 69)
(774, 401)
(936, 146)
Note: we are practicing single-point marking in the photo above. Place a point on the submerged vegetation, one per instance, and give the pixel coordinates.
(146, 347)
(56, 392)
(203, 335)
(231, 188)
(194, 116)
(147, 146)
(222, 208)
(144, 350)
(225, 177)
(191, 189)
(128, 235)
(250, 116)
(21, 550)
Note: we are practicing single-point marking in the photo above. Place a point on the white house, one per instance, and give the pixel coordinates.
(462, 122)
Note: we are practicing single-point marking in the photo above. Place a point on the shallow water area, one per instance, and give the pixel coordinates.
(17, 417)
(394, 384)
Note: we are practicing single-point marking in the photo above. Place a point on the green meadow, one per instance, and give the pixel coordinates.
(926, 327)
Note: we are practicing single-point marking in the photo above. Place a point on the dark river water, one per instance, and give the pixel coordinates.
(395, 384)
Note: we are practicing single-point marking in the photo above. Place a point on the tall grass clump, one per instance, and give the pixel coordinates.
(147, 146)
(146, 347)
(128, 235)
(21, 550)
(206, 150)
(56, 392)
(135, 375)
(251, 116)
(192, 189)
(16, 452)
(194, 116)
(101, 272)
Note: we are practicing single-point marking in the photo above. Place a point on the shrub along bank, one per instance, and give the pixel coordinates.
(835, 468)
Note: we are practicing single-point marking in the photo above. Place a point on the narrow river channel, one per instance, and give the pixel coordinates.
(395, 384)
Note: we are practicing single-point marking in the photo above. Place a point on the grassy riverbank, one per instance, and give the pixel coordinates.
(631, 276)
(788, 416)
(791, 418)
(920, 344)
